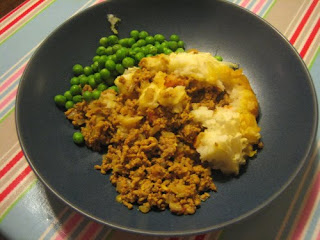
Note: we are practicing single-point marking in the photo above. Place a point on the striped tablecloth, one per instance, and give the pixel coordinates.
(29, 211)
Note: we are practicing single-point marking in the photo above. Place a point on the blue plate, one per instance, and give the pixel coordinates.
(288, 110)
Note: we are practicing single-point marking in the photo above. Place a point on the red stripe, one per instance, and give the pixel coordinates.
(9, 98)
(21, 16)
(310, 39)
(67, 228)
(13, 11)
(11, 79)
(91, 231)
(12, 162)
(200, 237)
(14, 183)
(303, 21)
(306, 212)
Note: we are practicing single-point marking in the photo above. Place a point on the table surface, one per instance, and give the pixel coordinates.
(29, 211)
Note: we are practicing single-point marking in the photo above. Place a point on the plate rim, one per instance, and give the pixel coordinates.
(309, 150)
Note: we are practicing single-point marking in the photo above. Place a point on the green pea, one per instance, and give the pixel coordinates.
(95, 58)
(77, 98)
(149, 55)
(141, 42)
(120, 69)
(167, 51)
(219, 58)
(121, 53)
(113, 39)
(96, 94)
(83, 80)
(116, 47)
(123, 42)
(160, 49)
(159, 38)
(105, 74)
(77, 69)
(78, 138)
(180, 44)
(68, 95)
(102, 86)
(144, 50)
(128, 62)
(87, 95)
(174, 37)
(165, 44)
(60, 100)
(143, 34)
(97, 78)
(152, 50)
(100, 50)
(150, 40)
(131, 41)
(92, 82)
(95, 66)
(134, 45)
(75, 90)
(134, 34)
(104, 41)
(110, 65)
(74, 81)
(69, 104)
(87, 70)
(173, 45)
(115, 88)
(139, 56)
(179, 50)
(108, 51)
(157, 44)
(103, 58)
(113, 57)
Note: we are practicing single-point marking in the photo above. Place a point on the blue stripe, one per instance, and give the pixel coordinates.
(43, 24)
(7, 109)
(249, 6)
(265, 8)
(12, 86)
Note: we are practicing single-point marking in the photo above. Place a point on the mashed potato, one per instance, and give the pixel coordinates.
(230, 131)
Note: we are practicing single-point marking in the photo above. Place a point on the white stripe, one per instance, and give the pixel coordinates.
(29, 16)
(312, 50)
(12, 174)
(316, 230)
(107, 234)
(3, 161)
(16, 193)
(297, 193)
(55, 221)
(296, 19)
(21, 59)
(13, 99)
(17, 13)
(307, 29)
(307, 226)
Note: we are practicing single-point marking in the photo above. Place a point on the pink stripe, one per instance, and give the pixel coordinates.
(259, 5)
(68, 226)
(307, 210)
(318, 237)
(9, 98)
(244, 3)
(11, 79)
(91, 231)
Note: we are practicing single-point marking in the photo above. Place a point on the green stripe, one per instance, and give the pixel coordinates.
(110, 235)
(17, 200)
(314, 58)
(26, 22)
(268, 10)
(7, 114)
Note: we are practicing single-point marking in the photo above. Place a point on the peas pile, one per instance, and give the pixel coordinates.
(113, 56)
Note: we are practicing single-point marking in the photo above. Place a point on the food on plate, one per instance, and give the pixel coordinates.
(166, 124)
